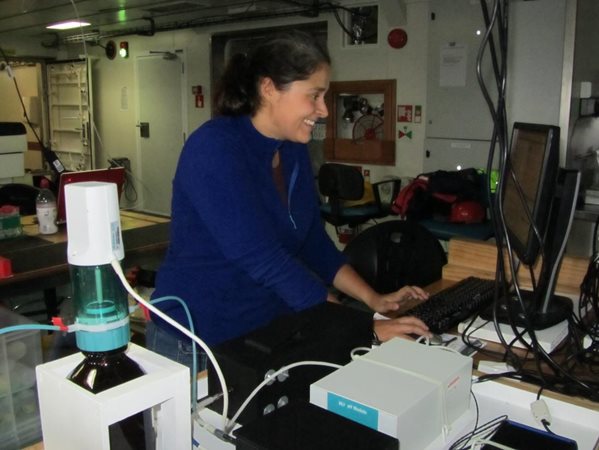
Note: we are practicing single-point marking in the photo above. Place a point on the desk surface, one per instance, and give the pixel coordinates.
(43, 258)
(468, 257)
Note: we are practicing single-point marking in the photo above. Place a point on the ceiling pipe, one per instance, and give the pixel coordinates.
(205, 21)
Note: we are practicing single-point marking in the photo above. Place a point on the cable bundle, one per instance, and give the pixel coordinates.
(563, 376)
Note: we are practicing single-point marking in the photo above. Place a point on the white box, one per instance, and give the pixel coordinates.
(410, 391)
(13, 143)
(548, 339)
(449, 370)
(165, 387)
(13, 165)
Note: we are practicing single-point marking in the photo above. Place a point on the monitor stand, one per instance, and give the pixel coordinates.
(509, 311)
(549, 338)
(550, 328)
(545, 310)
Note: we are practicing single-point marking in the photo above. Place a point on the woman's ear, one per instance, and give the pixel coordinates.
(267, 88)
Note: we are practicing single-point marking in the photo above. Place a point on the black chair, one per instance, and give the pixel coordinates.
(340, 183)
(21, 195)
(396, 253)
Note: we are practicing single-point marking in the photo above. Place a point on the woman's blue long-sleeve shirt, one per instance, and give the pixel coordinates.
(240, 255)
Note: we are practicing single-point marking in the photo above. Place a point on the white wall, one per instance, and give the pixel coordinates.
(407, 65)
(24, 47)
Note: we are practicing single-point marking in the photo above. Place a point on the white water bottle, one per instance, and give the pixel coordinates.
(45, 206)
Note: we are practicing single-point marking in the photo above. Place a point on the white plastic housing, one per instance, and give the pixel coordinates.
(13, 143)
(93, 223)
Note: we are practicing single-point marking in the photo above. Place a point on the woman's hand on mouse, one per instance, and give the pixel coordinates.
(384, 303)
(400, 327)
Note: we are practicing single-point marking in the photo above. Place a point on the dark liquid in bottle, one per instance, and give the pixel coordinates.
(100, 371)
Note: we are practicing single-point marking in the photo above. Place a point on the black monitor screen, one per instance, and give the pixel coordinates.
(534, 161)
(533, 193)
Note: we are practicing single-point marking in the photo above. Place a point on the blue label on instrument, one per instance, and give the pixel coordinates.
(115, 234)
(352, 410)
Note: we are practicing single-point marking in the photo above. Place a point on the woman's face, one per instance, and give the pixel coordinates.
(290, 114)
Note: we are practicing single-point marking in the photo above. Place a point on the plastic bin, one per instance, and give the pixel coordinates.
(20, 353)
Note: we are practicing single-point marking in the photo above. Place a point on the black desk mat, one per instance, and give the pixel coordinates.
(20, 243)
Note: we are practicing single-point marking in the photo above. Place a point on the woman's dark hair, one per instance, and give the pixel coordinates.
(284, 58)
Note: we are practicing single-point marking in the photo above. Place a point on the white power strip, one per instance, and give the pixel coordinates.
(494, 367)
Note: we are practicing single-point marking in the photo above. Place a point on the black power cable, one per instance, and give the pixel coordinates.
(562, 376)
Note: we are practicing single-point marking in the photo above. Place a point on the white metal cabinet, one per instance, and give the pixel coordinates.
(70, 113)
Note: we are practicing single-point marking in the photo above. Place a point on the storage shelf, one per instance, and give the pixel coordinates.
(61, 73)
(67, 83)
(67, 130)
(71, 151)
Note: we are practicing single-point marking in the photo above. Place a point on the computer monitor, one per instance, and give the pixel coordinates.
(538, 208)
(532, 167)
(111, 175)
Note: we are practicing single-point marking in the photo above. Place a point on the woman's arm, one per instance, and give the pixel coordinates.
(348, 281)
(400, 327)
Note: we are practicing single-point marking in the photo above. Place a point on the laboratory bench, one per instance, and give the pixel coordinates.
(470, 257)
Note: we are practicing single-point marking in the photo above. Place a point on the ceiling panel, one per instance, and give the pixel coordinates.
(113, 17)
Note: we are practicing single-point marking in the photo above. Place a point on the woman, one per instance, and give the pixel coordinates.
(247, 242)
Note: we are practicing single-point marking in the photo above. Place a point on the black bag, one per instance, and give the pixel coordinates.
(464, 184)
(431, 195)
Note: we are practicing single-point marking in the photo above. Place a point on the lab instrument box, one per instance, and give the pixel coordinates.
(410, 391)
(303, 425)
(326, 332)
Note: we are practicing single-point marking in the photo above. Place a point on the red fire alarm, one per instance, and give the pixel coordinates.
(199, 97)
(397, 38)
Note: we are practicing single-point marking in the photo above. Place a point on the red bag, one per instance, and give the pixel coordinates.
(401, 203)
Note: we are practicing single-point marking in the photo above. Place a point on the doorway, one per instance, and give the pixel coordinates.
(162, 126)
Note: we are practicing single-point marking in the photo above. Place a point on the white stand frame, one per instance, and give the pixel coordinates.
(74, 418)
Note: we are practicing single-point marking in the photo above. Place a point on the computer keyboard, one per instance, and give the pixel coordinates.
(447, 308)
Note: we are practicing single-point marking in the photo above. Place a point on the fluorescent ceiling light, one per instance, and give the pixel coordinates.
(68, 25)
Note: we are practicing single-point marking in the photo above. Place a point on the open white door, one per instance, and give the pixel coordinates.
(161, 127)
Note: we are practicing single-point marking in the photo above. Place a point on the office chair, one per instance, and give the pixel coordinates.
(396, 253)
(340, 183)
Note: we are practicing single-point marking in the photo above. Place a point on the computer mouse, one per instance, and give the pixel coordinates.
(436, 339)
